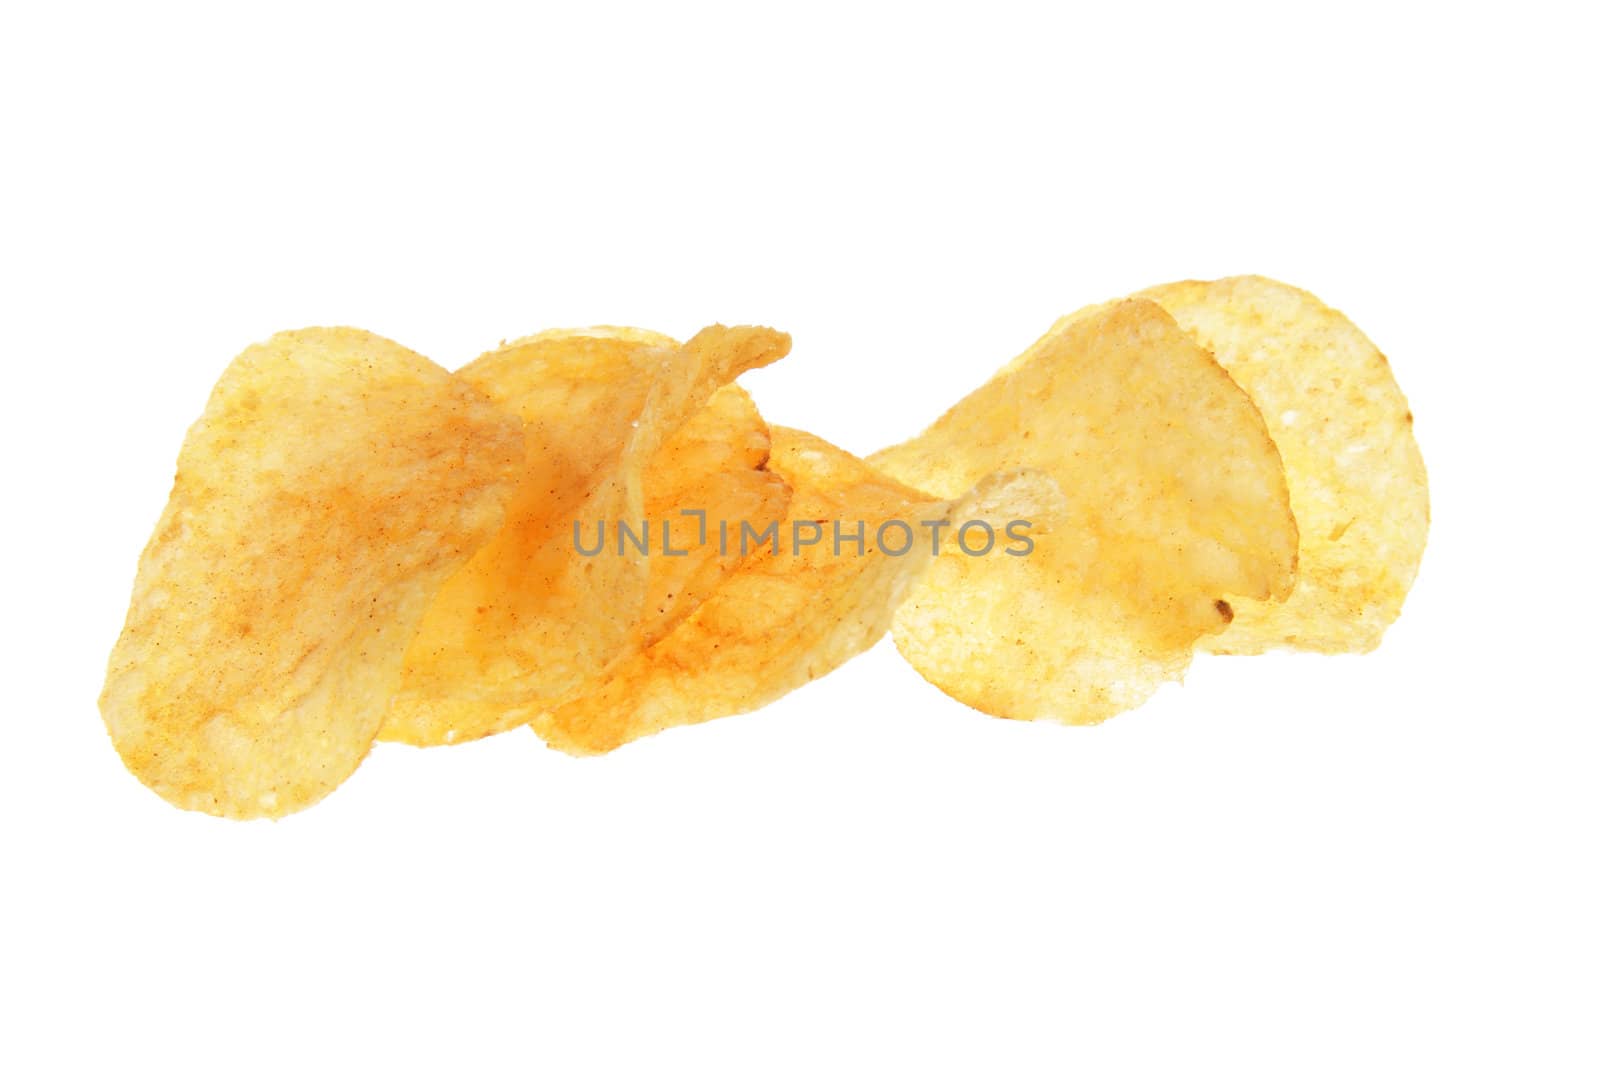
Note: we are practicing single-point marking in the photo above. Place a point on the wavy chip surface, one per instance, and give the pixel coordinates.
(332, 485)
(529, 621)
(1174, 506)
(1356, 479)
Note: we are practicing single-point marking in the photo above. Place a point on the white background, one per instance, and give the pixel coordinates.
(1380, 859)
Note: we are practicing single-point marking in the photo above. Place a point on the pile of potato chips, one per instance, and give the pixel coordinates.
(363, 546)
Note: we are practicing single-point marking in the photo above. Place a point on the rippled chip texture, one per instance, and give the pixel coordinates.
(1174, 506)
(789, 613)
(1356, 479)
(332, 485)
(530, 620)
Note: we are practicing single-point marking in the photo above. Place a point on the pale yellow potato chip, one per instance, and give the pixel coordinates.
(1174, 507)
(530, 620)
(333, 483)
(782, 617)
(1356, 479)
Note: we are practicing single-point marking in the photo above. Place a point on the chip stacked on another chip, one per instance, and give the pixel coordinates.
(360, 545)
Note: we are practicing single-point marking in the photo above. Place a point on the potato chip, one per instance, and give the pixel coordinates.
(1175, 506)
(530, 619)
(1356, 479)
(594, 532)
(789, 613)
(333, 483)
(712, 471)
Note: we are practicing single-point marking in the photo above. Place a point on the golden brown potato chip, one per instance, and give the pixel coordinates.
(1356, 479)
(530, 619)
(789, 613)
(333, 483)
(713, 470)
(1175, 506)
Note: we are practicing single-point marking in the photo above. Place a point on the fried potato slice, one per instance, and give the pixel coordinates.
(1356, 479)
(333, 483)
(714, 470)
(1175, 506)
(530, 620)
(782, 617)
